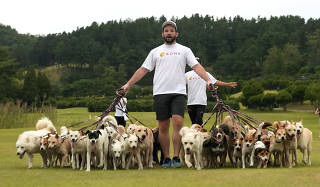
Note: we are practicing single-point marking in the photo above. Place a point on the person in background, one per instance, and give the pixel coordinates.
(197, 96)
(120, 113)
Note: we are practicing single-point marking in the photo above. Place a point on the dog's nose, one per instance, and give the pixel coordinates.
(238, 148)
(18, 153)
(188, 149)
(282, 138)
(133, 147)
(41, 148)
(247, 145)
(143, 136)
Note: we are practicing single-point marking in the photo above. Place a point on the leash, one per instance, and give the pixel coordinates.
(119, 94)
(132, 116)
(220, 107)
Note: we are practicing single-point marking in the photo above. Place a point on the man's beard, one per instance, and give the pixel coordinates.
(169, 40)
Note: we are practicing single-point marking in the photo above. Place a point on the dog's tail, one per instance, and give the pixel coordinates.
(262, 126)
(45, 123)
(109, 119)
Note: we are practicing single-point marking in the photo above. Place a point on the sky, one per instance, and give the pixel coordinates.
(42, 17)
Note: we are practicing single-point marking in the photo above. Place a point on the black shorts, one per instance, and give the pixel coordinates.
(120, 120)
(166, 105)
(196, 113)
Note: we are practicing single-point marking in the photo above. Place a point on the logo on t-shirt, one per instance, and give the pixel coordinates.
(162, 54)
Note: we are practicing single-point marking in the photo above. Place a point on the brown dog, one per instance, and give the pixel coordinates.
(145, 144)
(60, 147)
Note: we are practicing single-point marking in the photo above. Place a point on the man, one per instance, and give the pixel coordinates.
(120, 113)
(197, 96)
(169, 87)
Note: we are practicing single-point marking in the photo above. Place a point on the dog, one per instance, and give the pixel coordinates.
(192, 142)
(260, 151)
(131, 149)
(304, 143)
(116, 152)
(145, 144)
(29, 141)
(131, 128)
(78, 148)
(217, 143)
(249, 141)
(277, 145)
(98, 144)
(157, 147)
(60, 146)
(290, 144)
(237, 152)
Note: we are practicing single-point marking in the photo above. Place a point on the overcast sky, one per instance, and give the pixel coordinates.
(55, 16)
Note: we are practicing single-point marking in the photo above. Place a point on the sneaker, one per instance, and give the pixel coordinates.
(166, 163)
(176, 162)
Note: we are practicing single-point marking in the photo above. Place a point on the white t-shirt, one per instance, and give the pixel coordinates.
(169, 62)
(121, 107)
(197, 88)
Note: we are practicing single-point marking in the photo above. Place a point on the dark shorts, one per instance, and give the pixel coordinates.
(196, 113)
(120, 120)
(166, 105)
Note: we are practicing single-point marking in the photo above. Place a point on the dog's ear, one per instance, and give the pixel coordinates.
(195, 135)
(102, 126)
(57, 136)
(99, 132)
(87, 132)
(146, 131)
(241, 138)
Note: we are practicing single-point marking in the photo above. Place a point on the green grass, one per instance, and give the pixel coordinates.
(14, 172)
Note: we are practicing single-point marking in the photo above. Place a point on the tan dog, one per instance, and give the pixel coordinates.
(304, 136)
(290, 143)
(277, 145)
(61, 148)
(145, 144)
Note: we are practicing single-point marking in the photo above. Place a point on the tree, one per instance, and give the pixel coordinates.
(30, 88)
(44, 87)
(252, 88)
(312, 93)
(283, 98)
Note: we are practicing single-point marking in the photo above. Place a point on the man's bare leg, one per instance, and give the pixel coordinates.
(177, 122)
(164, 137)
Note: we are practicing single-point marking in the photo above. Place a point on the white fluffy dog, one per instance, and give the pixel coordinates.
(116, 152)
(192, 142)
(29, 141)
(304, 136)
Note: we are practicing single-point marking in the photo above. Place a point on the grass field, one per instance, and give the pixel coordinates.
(14, 172)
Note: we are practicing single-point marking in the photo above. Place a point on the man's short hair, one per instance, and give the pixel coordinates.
(171, 23)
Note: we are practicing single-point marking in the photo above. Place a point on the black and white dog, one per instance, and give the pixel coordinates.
(217, 144)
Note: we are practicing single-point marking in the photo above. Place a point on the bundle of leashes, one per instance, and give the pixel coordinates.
(220, 107)
(119, 94)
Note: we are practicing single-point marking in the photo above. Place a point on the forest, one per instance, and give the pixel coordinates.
(275, 53)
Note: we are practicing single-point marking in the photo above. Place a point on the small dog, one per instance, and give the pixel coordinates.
(237, 152)
(249, 141)
(116, 152)
(260, 151)
(304, 136)
(192, 142)
(29, 141)
(157, 147)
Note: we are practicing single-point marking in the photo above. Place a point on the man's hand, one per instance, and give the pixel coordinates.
(233, 84)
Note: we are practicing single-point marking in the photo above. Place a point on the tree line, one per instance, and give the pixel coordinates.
(97, 59)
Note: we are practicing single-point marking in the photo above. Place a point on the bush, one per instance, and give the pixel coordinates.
(283, 98)
(268, 101)
(250, 89)
(255, 101)
(140, 105)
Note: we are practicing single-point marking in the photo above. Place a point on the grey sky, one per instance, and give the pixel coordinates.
(48, 16)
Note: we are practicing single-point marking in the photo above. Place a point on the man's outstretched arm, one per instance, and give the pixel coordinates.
(139, 74)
